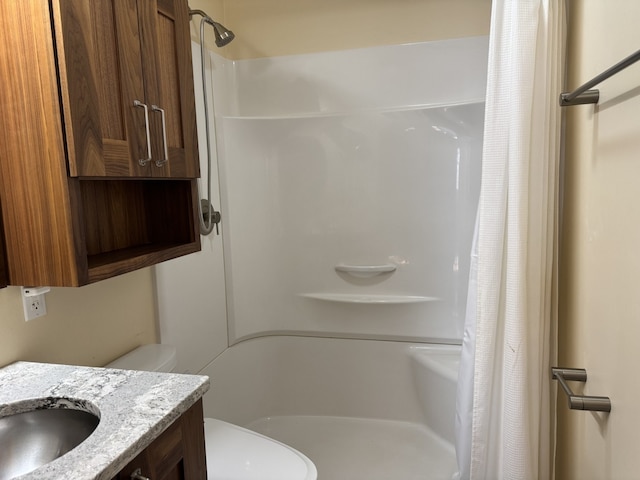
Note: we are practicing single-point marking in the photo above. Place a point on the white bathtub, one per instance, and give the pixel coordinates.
(360, 409)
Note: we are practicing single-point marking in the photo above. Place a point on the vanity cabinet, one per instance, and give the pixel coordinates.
(98, 145)
(178, 453)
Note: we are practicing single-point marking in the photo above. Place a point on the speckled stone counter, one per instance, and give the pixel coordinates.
(134, 408)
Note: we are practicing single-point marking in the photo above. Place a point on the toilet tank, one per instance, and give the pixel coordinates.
(148, 358)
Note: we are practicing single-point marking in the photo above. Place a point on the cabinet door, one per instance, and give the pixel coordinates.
(168, 80)
(101, 77)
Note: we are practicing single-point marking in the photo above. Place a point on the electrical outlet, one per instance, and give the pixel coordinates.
(33, 303)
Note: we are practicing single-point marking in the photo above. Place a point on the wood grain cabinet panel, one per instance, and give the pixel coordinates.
(101, 76)
(118, 58)
(78, 205)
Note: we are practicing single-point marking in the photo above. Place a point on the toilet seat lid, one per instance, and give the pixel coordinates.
(235, 453)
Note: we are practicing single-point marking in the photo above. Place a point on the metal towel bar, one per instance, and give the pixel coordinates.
(582, 94)
(579, 402)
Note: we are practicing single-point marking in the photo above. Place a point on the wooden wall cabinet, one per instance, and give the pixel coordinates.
(86, 189)
(177, 454)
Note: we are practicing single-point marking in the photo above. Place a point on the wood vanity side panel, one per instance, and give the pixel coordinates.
(36, 202)
(195, 460)
(177, 454)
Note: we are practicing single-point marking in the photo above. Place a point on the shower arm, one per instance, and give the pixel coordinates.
(204, 16)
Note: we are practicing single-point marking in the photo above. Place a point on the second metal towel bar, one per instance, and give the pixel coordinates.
(582, 94)
(579, 402)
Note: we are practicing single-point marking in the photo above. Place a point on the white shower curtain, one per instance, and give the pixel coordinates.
(505, 421)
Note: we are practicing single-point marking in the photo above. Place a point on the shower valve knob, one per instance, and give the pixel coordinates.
(216, 218)
(205, 207)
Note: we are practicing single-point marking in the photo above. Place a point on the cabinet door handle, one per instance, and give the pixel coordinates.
(156, 108)
(137, 475)
(138, 103)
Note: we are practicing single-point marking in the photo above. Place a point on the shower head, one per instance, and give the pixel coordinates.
(222, 34)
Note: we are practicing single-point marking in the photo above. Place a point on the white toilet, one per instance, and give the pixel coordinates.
(233, 452)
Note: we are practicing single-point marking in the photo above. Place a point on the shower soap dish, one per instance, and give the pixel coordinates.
(365, 271)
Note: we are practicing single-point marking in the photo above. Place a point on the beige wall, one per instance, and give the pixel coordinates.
(600, 291)
(266, 28)
(87, 326)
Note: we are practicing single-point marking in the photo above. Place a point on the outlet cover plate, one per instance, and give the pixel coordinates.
(34, 306)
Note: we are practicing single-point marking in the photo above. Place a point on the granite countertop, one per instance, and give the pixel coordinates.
(134, 408)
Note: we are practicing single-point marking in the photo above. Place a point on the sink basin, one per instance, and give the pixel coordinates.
(34, 438)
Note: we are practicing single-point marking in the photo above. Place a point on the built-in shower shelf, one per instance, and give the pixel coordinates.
(368, 298)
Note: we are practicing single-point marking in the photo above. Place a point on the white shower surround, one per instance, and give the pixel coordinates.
(311, 149)
(444, 72)
(363, 157)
